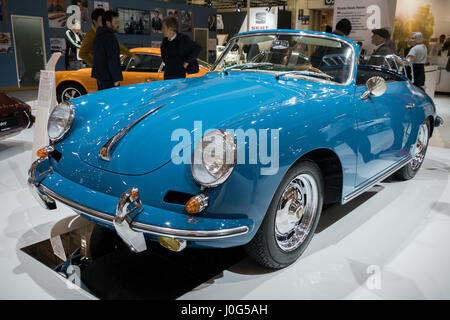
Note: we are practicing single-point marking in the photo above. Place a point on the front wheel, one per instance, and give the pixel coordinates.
(410, 170)
(291, 219)
(69, 90)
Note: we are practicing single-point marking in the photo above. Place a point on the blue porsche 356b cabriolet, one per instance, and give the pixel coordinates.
(246, 155)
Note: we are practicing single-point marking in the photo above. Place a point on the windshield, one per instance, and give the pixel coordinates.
(302, 56)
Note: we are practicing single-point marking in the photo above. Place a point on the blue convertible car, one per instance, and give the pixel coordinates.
(285, 122)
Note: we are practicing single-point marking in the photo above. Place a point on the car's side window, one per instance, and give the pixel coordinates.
(363, 74)
(124, 62)
(147, 63)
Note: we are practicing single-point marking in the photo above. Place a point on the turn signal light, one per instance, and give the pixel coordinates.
(197, 203)
(134, 193)
(43, 152)
(103, 151)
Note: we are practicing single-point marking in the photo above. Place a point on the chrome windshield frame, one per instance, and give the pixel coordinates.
(350, 79)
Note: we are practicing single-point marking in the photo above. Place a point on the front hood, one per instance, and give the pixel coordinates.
(218, 100)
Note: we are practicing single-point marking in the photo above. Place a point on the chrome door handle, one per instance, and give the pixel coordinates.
(410, 105)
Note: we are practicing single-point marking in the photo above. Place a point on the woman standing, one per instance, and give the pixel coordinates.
(417, 56)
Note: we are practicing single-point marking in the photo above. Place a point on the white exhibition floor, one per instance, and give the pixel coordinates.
(390, 243)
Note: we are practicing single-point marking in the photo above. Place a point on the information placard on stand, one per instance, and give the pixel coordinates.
(45, 103)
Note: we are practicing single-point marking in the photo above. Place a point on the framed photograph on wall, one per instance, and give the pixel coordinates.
(173, 13)
(101, 5)
(56, 13)
(134, 21)
(157, 16)
(187, 21)
(58, 45)
(212, 22)
(5, 42)
(219, 22)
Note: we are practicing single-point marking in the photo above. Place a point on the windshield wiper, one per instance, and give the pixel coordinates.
(305, 73)
(248, 65)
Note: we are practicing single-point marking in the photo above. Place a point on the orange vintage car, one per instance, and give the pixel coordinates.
(72, 84)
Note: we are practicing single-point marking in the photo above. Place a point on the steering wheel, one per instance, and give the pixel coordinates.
(309, 68)
(261, 55)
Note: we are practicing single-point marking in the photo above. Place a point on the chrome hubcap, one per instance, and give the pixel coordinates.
(421, 146)
(296, 211)
(70, 93)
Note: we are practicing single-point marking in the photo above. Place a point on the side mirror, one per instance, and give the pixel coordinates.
(376, 86)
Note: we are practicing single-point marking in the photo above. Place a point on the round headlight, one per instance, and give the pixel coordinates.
(60, 121)
(214, 158)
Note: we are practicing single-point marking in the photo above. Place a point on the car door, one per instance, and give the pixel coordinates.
(383, 129)
(146, 70)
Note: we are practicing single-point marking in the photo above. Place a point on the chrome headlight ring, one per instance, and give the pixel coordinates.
(60, 121)
(214, 158)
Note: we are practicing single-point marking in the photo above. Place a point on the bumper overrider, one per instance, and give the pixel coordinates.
(128, 208)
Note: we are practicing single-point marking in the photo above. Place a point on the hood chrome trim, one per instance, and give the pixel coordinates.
(105, 151)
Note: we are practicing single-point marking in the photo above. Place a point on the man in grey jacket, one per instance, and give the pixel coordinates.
(379, 38)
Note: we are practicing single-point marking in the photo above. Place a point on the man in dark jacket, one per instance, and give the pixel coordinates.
(178, 51)
(379, 38)
(106, 68)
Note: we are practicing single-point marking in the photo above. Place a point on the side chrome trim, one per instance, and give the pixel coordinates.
(105, 151)
(147, 228)
(381, 177)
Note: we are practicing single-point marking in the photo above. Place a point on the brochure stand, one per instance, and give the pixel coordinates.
(45, 103)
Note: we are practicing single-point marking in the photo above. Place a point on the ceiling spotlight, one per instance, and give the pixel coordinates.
(209, 3)
(238, 7)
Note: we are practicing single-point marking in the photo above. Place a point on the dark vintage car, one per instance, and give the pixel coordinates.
(15, 116)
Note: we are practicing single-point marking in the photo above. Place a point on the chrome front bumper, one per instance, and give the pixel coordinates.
(34, 184)
(132, 232)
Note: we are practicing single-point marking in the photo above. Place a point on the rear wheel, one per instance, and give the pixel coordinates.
(291, 219)
(410, 170)
(69, 90)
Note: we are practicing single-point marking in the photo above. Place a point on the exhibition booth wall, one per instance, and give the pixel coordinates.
(53, 34)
